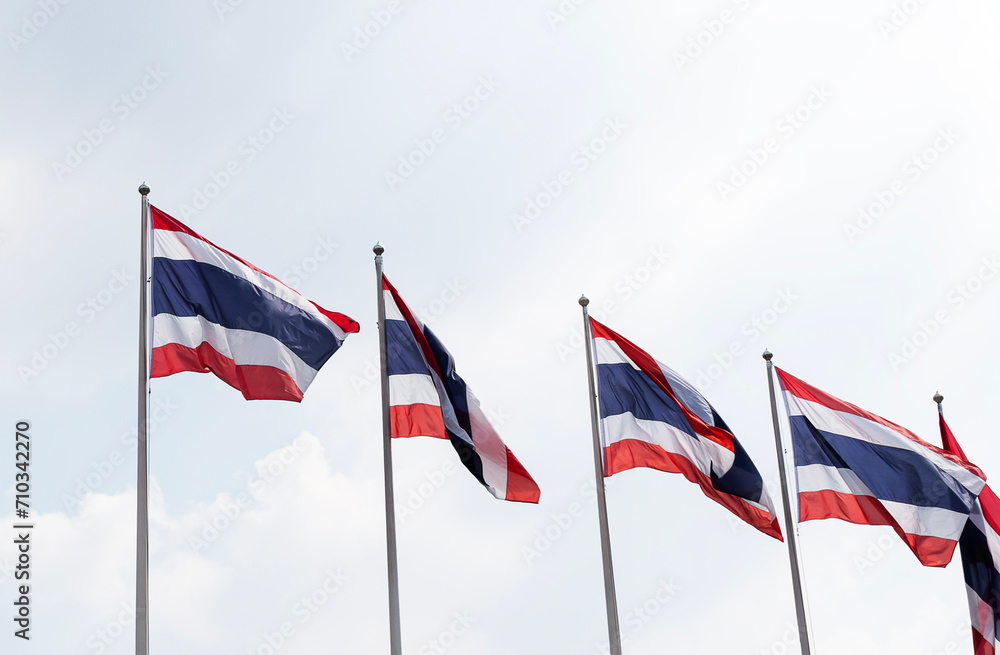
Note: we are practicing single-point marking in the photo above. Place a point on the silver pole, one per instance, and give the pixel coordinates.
(614, 634)
(938, 398)
(395, 641)
(790, 523)
(142, 497)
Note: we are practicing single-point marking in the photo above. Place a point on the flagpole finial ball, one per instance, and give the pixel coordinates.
(767, 355)
(378, 249)
(584, 301)
(938, 398)
(143, 189)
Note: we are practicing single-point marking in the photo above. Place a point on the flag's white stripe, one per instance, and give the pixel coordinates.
(491, 449)
(392, 312)
(608, 352)
(927, 521)
(179, 246)
(856, 427)
(982, 615)
(688, 395)
(923, 521)
(242, 346)
(817, 477)
(662, 435)
(992, 538)
(412, 389)
(765, 506)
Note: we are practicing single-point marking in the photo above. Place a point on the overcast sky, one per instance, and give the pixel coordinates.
(818, 179)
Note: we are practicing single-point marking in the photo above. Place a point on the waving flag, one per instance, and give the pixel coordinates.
(213, 311)
(652, 417)
(980, 548)
(428, 398)
(858, 467)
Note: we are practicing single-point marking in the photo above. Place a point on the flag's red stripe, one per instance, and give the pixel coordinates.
(808, 392)
(948, 439)
(254, 382)
(163, 221)
(980, 645)
(865, 510)
(991, 507)
(416, 420)
(345, 323)
(520, 486)
(648, 365)
(632, 453)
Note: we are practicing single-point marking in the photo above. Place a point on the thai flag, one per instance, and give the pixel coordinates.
(980, 548)
(652, 417)
(858, 467)
(213, 311)
(428, 398)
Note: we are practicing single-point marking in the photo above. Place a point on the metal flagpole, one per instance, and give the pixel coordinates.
(790, 524)
(614, 634)
(395, 642)
(142, 497)
(938, 398)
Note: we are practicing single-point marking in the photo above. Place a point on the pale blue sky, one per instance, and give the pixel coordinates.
(837, 103)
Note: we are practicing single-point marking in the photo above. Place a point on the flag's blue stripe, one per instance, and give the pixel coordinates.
(190, 288)
(977, 563)
(454, 385)
(892, 474)
(742, 479)
(623, 389)
(404, 354)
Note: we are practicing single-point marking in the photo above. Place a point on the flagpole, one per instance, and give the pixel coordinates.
(790, 524)
(938, 398)
(142, 495)
(395, 641)
(614, 634)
